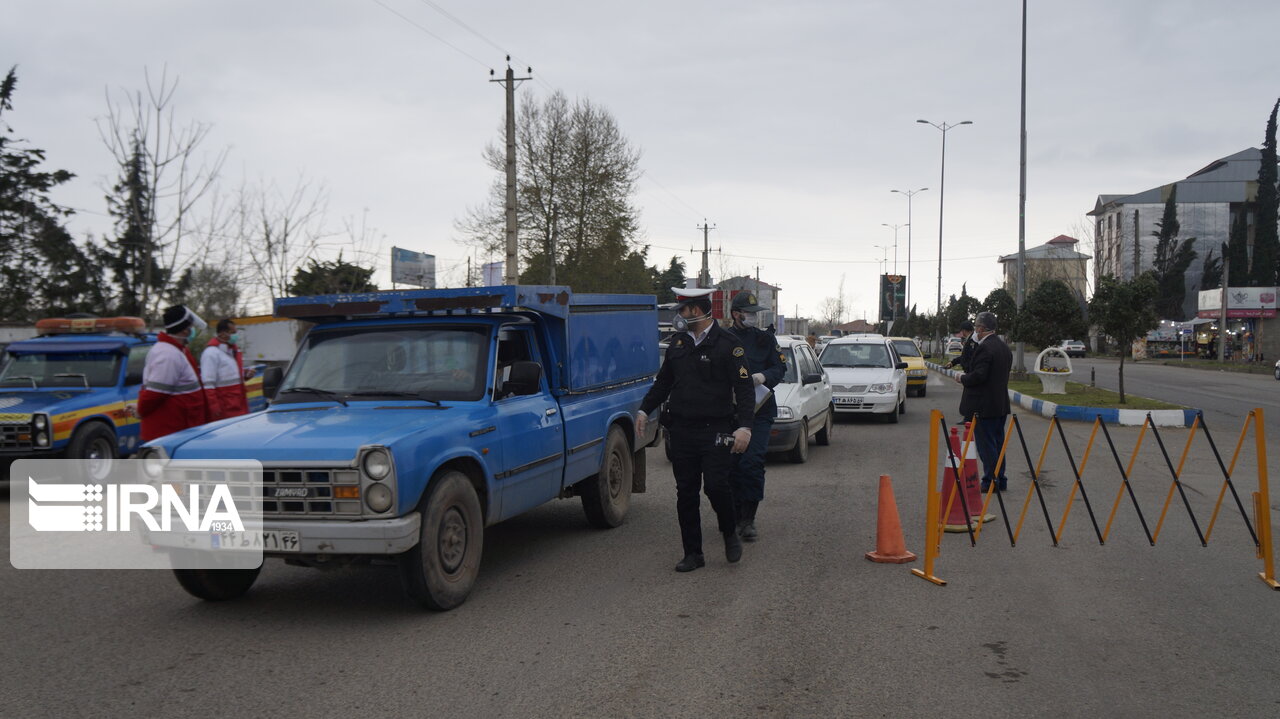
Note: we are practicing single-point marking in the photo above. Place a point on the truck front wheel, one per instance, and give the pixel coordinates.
(439, 572)
(606, 496)
(217, 585)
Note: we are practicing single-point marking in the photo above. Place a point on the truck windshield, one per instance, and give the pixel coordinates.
(429, 362)
(75, 369)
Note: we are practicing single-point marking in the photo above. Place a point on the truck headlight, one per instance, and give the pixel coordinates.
(885, 388)
(378, 497)
(376, 464)
(39, 421)
(153, 461)
(785, 413)
(42, 439)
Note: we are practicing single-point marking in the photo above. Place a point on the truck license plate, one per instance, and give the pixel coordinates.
(271, 540)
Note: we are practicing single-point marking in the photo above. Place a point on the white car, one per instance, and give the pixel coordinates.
(1073, 348)
(804, 403)
(867, 376)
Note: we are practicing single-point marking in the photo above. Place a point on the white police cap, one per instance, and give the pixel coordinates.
(685, 295)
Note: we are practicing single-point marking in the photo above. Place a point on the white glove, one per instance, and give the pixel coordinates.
(741, 438)
(758, 378)
(642, 421)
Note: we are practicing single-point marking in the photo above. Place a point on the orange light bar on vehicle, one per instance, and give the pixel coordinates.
(346, 493)
(85, 325)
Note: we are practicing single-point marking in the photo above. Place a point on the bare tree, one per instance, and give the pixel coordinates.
(277, 231)
(834, 309)
(143, 126)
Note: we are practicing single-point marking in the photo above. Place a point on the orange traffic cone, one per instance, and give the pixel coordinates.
(891, 548)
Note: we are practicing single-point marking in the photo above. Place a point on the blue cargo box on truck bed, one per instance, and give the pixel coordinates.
(440, 412)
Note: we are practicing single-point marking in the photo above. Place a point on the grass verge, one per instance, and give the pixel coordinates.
(1082, 395)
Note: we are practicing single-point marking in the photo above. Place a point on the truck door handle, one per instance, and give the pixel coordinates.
(551, 411)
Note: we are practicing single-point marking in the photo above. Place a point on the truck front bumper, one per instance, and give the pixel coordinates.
(318, 537)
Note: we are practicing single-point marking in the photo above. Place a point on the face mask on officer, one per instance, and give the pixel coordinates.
(748, 319)
(680, 323)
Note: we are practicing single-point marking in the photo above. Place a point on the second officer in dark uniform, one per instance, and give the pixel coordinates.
(710, 410)
(767, 366)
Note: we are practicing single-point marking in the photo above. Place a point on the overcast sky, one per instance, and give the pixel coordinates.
(785, 124)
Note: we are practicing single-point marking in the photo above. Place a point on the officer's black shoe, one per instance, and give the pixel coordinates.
(747, 530)
(732, 546)
(690, 563)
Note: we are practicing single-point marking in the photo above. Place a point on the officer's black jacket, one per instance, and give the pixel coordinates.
(965, 360)
(709, 381)
(763, 356)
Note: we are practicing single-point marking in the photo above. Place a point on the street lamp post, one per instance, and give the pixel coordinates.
(909, 194)
(895, 243)
(942, 190)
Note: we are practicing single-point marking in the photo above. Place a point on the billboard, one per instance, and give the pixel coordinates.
(893, 297)
(413, 268)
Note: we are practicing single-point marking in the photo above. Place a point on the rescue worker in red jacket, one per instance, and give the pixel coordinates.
(223, 373)
(172, 398)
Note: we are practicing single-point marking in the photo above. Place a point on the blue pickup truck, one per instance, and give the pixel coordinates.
(410, 420)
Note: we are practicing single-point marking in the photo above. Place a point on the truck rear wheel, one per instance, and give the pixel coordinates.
(606, 496)
(440, 571)
(217, 585)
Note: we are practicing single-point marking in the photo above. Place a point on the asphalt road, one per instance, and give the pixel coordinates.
(1225, 397)
(570, 621)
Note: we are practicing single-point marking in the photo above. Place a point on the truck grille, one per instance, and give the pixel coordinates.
(308, 492)
(16, 436)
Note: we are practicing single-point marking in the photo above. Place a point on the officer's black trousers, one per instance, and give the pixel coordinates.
(699, 464)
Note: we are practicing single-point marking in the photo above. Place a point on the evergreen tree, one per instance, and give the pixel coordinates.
(673, 276)
(1002, 304)
(1211, 274)
(129, 253)
(1266, 244)
(960, 309)
(331, 277)
(1050, 314)
(1172, 260)
(1125, 311)
(42, 270)
(1238, 253)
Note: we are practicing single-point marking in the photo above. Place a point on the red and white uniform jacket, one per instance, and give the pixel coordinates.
(171, 398)
(222, 371)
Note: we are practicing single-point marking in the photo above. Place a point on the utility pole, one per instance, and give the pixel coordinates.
(704, 277)
(468, 271)
(509, 82)
(555, 231)
(1019, 364)
(1137, 248)
(1222, 320)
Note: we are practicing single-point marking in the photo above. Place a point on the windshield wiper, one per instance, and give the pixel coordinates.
(75, 374)
(393, 393)
(827, 364)
(326, 394)
(28, 378)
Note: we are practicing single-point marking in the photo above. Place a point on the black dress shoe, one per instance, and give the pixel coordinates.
(747, 530)
(732, 546)
(690, 563)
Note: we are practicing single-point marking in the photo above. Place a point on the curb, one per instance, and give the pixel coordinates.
(1124, 417)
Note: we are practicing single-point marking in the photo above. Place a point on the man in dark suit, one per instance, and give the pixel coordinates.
(986, 394)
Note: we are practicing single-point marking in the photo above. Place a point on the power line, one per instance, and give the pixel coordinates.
(400, 15)
(463, 25)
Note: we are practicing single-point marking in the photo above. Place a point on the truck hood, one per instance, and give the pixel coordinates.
(328, 433)
(53, 400)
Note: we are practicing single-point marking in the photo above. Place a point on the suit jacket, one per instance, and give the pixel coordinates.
(986, 381)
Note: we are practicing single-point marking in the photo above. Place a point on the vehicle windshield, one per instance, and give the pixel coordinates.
(74, 369)
(906, 348)
(855, 355)
(405, 361)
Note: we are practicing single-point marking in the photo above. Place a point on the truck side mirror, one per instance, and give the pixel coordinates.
(523, 379)
(271, 379)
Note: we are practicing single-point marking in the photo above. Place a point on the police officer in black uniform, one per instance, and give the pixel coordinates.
(709, 416)
(767, 366)
(967, 346)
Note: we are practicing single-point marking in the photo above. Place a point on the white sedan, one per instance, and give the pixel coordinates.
(867, 376)
(804, 403)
